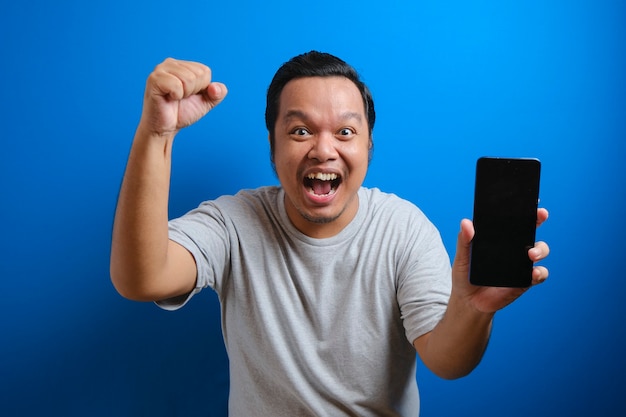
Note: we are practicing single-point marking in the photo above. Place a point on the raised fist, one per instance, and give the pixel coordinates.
(178, 94)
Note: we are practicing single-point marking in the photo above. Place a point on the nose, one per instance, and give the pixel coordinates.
(323, 147)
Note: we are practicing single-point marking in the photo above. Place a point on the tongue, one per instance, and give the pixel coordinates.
(321, 187)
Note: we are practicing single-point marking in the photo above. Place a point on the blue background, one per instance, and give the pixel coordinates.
(452, 80)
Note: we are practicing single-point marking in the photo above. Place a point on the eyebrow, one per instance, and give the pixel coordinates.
(299, 114)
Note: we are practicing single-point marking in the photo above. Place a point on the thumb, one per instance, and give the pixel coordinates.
(216, 92)
(463, 244)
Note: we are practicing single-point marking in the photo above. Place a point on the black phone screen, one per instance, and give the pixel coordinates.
(505, 217)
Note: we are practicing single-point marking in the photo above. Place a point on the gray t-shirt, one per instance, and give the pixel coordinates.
(318, 327)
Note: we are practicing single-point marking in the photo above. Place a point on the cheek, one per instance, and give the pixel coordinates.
(285, 163)
(356, 155)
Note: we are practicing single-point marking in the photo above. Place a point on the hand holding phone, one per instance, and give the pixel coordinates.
(505, 220)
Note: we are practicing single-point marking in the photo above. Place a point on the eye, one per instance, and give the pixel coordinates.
(346, 132)
(300, 131)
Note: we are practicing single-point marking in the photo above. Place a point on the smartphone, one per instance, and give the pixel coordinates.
(506, 195)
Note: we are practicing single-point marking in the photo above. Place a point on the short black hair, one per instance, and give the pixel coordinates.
(313, 64)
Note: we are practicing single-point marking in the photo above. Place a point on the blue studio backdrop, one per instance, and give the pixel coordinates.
(452, 80)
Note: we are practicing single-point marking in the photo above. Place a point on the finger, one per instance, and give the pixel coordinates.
(539, 275)
(542, 216)
(176, 79)
(194, 76)
(539, 251)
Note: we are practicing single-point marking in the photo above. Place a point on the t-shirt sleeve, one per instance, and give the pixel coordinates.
(203, 232)
(424, 279)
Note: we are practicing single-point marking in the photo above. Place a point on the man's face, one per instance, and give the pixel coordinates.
(321, 152)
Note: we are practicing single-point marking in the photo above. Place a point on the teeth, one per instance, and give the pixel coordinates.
(322, 176)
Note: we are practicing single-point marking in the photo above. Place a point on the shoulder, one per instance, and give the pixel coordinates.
(397, 217)
(246, 200)
(244, 207)
(389, 205)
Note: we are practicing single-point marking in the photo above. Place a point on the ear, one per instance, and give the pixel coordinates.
(370, 149)
(269, 140)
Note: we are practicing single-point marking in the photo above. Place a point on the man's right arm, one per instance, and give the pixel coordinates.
(145, 264)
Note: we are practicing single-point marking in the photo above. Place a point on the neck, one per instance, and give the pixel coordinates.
(320, 227)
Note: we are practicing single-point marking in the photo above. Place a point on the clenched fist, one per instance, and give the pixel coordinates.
(178, 94)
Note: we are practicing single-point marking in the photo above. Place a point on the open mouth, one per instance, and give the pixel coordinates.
(322, 184)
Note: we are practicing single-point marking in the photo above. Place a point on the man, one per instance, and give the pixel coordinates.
(327, 288)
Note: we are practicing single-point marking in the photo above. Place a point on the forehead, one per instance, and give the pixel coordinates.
(321, 95)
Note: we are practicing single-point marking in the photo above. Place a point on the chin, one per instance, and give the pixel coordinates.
(319, 219)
